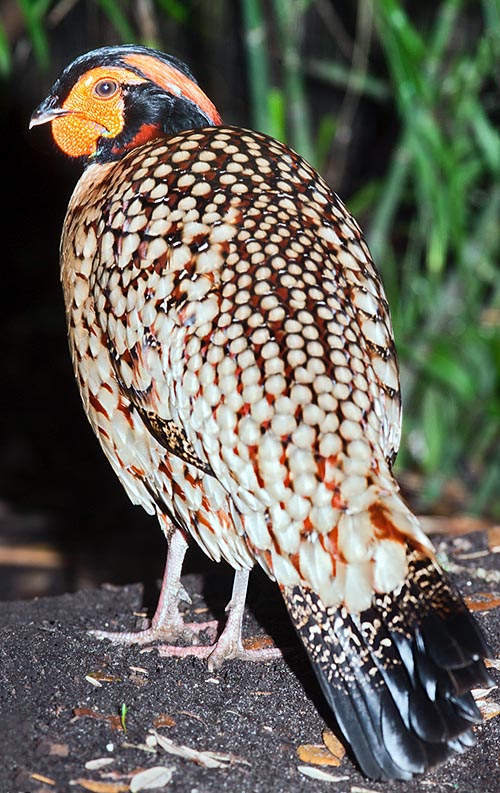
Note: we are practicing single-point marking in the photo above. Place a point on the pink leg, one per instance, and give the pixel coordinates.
(229, 644)
(167, 623)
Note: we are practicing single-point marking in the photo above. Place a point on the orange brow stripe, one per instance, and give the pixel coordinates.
(168, 77)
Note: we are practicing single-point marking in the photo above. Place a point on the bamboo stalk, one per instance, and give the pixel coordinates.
(257, 63)
(287, 15)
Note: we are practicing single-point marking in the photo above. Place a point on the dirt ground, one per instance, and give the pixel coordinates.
(78, 714)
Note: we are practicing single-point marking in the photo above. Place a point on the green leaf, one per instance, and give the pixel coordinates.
(446, 369)
(5, 59)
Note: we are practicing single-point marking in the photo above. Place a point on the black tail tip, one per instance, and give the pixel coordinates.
(398, 676)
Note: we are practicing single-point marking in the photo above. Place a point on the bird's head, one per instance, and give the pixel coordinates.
(115, 98)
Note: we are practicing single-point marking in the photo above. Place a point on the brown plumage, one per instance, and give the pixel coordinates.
(234, 352)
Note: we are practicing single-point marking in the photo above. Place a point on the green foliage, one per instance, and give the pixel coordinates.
(123, 716)
(34, 12)
(432, 214)
(5, 61)
(443, 279)
(115, 13)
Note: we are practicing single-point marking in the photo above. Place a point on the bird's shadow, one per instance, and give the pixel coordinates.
(266, 613)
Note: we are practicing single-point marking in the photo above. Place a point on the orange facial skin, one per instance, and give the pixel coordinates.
(93, 112)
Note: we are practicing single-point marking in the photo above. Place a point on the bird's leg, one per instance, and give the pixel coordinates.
(167, 622)
(229, 644)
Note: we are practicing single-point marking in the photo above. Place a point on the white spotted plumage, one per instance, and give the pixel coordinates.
(208, 308)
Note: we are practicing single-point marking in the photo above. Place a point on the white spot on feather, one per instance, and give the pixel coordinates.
(390, 565)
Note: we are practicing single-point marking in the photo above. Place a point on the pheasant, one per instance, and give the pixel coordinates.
(234, 352)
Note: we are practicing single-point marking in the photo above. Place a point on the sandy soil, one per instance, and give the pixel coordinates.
(62, 695)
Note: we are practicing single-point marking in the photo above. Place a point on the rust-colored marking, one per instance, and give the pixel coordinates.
(205, 522)
(125, 409)
(224, 519)
(333, 540)
(384, 527)
(295, 560)
(97, 406)
(329, 543)
(308, 527)
(146, 133)
(269, 559)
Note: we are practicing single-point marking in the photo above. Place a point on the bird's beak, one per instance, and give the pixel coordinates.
(48, 110)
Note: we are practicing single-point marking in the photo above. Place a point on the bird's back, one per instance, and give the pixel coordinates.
(225, 313)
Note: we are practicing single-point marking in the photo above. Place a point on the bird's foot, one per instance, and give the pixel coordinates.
(256, 649)
(172, 631)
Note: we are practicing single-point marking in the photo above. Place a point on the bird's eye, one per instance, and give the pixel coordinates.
(104, 89)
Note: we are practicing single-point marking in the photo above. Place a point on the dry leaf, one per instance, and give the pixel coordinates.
(114, 720)
(164, 721)
(471, 555)
(258, 643)
(317, 773)
(333, 744)
(316, 754)
(100, 762)
(100, 787)
(41, 778)
(206, 759)
(452, 524)
(362, 790)
(59, 749)
(151, 778)
(488, 708)
(104, 677)
(483, 601)
(482, 693)
(191, 715)
(492, 663)
(142, 747)
(494, 539)
(32, 555)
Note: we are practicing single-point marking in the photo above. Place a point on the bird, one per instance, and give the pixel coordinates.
(233, 348)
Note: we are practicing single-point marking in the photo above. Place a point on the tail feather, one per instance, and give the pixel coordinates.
(398, 676)
(358, 713)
